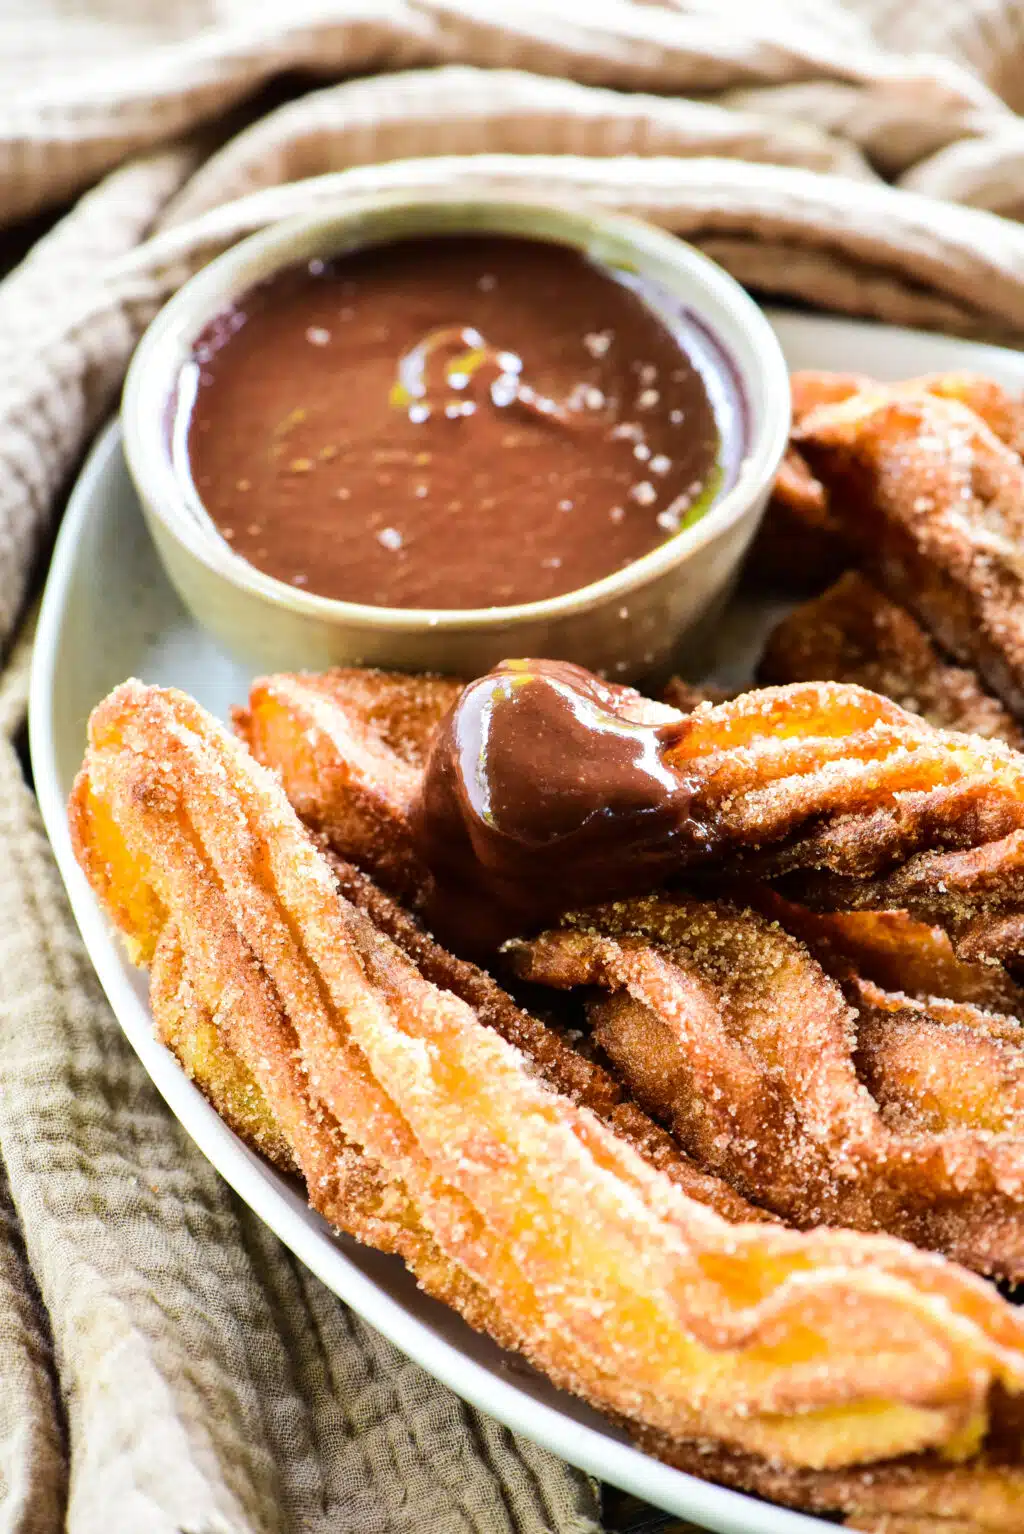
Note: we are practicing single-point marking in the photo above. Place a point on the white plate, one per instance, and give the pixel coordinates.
(108, 613)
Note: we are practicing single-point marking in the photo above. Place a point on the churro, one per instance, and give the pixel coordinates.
(809, 1095)
(852, 633)
(519, 1205)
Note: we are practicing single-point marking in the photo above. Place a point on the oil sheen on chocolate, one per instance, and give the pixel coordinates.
(548, 789)
(455, 422)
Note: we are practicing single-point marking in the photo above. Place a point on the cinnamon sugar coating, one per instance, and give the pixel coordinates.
(349, 746)
(891, 949)
(315, 1009)
(809, 533)
(831, 1103)
(931, 504)
(852, 633)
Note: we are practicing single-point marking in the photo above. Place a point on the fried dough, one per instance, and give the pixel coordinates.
(851, 633)
(805, 540)
(809, 1096)
(519, 1205)
(840, 796)
(349, 746)
(891, 949)
(931, 504)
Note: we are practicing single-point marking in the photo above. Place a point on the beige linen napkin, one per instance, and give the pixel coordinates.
(164, 1364)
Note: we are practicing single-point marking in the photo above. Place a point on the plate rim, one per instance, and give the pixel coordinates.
(714, 1506)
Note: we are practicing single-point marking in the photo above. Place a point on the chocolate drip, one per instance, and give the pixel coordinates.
(546, 789)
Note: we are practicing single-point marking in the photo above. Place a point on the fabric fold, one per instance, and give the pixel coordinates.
(79, 93)
(33, 1460)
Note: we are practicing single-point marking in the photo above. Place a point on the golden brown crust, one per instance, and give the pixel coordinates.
(851, 633)
(349, 746)
(976, 894)
(828, 775)
(556, 1062)
(820, 1349)
(796, 487)
(934, 1066)
(195, 1035)
(726, 1029)
(804, 541)
(799, 546)
(931, 503)
(1000, 409)
(891, 949)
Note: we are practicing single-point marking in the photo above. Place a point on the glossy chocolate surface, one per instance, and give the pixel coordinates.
(548, 789)
(455, 422)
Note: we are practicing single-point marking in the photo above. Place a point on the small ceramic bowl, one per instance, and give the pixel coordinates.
(631, 623)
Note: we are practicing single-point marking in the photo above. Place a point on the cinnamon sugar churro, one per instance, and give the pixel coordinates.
(809, 1095)
(852, 633)
(811, 530)
(891, 949)
(350, 746)
(810, 777)
(839, 796)
(931, 502)
(519, 1206)
(799, 544)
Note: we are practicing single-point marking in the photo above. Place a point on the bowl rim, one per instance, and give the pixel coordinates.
(349, 223)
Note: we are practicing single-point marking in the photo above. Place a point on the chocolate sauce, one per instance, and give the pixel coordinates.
(455, 422)
(548, 789)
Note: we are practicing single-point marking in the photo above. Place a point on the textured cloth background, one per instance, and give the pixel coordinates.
(164, 1364)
